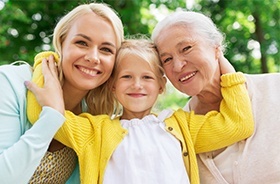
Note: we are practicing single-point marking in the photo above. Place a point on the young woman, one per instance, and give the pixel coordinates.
(138, 146)
(187, 43)
(87, 40)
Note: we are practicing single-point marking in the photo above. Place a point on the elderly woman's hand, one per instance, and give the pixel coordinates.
(225, 65)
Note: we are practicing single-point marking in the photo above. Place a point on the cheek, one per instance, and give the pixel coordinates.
(109, 64)
(167, 70)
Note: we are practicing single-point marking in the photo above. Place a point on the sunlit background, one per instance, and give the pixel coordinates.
(251, 27)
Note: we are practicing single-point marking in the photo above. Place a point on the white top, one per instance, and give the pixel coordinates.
(255, 160)
(147, 155)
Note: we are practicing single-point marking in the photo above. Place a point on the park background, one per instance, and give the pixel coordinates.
(251, 28)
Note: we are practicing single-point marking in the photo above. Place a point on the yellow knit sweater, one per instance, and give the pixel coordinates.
(94, 138)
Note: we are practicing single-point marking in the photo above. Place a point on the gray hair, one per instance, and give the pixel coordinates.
(197, 22)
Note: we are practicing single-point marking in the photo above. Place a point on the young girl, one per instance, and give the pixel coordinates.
(138, 146)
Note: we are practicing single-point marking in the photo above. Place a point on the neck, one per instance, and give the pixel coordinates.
(206, 101)
(131, 115)
(72, 100)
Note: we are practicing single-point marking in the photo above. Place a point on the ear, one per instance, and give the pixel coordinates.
(162, 88)
(113, 89)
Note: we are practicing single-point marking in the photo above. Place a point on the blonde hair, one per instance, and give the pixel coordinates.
(197, 22)
(98, 100)
(141, 46)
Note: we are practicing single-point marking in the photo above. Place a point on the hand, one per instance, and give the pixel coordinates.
(225, 65)
(51, 93)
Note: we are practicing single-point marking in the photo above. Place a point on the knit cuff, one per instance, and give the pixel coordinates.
(231, 79)
(33, 107)
(39, 57)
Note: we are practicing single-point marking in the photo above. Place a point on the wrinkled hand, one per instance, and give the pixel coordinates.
(51, 94)
(225, 65)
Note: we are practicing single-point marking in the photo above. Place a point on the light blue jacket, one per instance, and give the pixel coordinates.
(21, 145)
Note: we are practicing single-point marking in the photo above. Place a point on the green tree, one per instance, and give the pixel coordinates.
(251, 28)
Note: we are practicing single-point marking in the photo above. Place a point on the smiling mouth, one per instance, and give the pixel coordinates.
(187, 77)
(89, 72)
(136, 94)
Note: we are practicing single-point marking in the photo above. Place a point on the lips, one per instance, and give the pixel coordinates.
(136, 94)
(91, 72)
(187, 77)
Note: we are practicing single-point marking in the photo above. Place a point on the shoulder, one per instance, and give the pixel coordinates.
(263, 78)
(265, 81)
(12, 79)
(16, 72)
(263, 86)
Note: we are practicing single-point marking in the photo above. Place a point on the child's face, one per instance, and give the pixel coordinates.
(136, 87)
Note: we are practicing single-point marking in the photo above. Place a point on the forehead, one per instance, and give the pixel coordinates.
(175, 36)
(91, 24)
(134, 61)
(175, 32)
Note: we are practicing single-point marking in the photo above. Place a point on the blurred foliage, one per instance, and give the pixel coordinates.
(251, 27)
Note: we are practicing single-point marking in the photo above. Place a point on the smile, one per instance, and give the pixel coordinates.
(89, 71)
(136, 94)
(187, 77)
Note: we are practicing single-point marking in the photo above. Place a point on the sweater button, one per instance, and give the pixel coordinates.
(185, 154)
(170, 128)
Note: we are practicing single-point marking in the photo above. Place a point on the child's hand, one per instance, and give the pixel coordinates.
(51, 94)
(225, 65)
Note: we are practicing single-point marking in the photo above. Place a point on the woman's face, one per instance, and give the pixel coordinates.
(190, 61)
(88, 53)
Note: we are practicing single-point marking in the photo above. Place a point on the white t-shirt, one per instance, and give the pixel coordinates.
(147, 155)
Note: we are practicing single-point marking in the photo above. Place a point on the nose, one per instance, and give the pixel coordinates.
(178, 64)
(137, 84)
(92, 56)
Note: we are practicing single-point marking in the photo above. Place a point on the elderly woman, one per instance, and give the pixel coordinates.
(189, 46)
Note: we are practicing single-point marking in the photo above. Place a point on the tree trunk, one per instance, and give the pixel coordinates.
(260, 39)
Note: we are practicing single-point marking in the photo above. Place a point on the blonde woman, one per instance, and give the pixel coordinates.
(86, 40)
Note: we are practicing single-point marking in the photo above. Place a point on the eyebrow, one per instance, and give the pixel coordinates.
(89, 39)
(179, 44)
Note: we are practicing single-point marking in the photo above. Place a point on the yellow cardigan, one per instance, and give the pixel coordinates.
(94, 138)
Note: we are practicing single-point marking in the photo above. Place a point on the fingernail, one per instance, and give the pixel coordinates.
(26, 83)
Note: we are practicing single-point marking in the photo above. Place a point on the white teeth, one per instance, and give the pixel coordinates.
(89, 72)
(187, 77)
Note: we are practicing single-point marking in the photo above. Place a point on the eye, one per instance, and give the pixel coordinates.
(82, 43)
(126, 76)
(107, 50)
(187, 48)
(166, 60)
(147, 77)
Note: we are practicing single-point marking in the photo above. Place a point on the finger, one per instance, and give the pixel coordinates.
(46, 71)
(53, 66)
(32, 87)
(225, 65)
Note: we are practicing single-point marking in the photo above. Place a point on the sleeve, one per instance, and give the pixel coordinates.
(34, 109)
(21, 151)
(233, 123)
(79, 131)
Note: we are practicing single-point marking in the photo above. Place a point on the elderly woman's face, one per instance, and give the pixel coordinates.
(190, 61)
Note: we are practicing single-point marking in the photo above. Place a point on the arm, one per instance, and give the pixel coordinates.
(233, 123)
(21, 150)
(76, 130)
